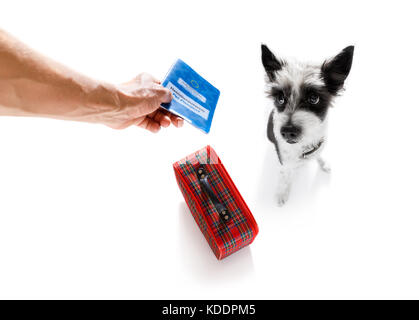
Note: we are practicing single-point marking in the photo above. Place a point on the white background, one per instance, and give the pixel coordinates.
(91, 212)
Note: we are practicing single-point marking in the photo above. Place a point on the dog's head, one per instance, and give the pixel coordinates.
(302, 93)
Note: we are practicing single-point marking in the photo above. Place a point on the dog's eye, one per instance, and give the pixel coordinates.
(313, 98)
(280, 98)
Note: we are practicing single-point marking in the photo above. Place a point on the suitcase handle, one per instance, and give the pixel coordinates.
(206, 187)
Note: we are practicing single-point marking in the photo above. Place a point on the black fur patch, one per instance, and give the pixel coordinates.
(271, 135)
(320, 109)
(270, 62)
(278, 93)
(270, 130)
(336, 70)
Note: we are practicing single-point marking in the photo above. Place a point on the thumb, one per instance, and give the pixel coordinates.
(165, 95)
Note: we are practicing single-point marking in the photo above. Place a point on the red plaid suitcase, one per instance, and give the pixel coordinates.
(215, 203)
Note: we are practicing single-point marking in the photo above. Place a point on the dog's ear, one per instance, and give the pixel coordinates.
(270, 62)
(336, 70)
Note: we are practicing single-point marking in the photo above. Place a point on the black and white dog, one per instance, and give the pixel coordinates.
(301, 95)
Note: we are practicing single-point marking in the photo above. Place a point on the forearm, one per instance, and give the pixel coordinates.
(33, 85)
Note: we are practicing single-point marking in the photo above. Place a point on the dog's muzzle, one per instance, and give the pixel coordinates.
(291, 133)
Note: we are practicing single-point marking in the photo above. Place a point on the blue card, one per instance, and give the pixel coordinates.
(194, 98)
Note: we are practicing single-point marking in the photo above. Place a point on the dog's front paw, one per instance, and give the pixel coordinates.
(282, 197)
(324, 165)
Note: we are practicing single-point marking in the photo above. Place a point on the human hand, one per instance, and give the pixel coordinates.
(139, 103)
(33, 85)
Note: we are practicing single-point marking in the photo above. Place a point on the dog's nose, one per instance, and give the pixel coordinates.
(290, 133)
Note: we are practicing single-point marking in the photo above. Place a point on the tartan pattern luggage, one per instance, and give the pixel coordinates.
(215, 203)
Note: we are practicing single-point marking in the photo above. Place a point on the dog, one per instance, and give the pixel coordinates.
(300, 95)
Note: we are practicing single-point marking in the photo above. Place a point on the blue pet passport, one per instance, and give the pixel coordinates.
(194, 98)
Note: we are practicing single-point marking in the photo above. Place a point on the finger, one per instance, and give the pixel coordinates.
(155, 80)
(150, 125)
(153, 126)
(161, 118)
(176, 120)
(146, 77)
(165, 96)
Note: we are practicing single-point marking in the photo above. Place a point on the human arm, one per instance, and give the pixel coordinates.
(34, 85)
